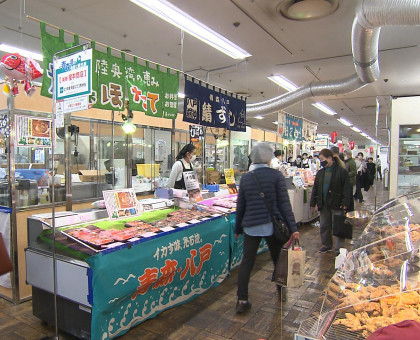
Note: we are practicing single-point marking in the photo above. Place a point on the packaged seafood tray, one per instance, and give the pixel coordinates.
(379, 282)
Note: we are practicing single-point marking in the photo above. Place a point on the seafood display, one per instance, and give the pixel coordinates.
(99, 238)
(378, 283)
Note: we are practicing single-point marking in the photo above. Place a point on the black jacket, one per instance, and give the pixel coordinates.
(251, 209)
(338, 192)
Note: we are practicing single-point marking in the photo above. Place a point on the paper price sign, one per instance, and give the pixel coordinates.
(230, 181)
(192, 186)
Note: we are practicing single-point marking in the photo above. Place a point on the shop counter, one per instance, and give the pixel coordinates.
(120, 287)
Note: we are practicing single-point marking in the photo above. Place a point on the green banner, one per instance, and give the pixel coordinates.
(108, 81)
(134, 284)
(51, 44)
(151, 91)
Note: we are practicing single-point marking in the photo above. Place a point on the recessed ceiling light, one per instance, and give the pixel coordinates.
(276, 122)
(307, 9)
(259, 117)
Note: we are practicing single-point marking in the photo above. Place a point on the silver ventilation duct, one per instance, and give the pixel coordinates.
(370, 16)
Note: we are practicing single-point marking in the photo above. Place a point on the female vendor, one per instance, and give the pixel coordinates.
(183, 164)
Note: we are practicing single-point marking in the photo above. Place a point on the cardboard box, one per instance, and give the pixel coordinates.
(92, 175)
(213, 176)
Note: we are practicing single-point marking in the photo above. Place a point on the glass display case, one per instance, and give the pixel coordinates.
(409, 159)
(378, 283)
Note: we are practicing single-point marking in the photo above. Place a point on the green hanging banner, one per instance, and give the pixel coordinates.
(151, 91)
(50, 45)
(114, 79)
(108, 81)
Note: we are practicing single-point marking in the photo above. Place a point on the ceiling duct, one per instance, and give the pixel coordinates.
(370, 16)
(307, 9)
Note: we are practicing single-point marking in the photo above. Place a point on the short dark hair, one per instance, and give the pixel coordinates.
(335, 150)
(360, 154)
(304, 154)
(278, 153)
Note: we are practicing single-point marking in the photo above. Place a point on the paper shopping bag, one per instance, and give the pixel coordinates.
(5, 263)
(290, 267)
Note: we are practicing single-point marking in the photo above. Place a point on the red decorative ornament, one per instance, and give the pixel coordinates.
(334, 136)
(351, 145)
(371, 149)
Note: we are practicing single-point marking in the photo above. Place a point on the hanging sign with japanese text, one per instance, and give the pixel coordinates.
(196, 133)
(293, 130)
(132, 285)
(208, 107)
(73, 75)
(51, 44)
(108, 81)
(151, 91)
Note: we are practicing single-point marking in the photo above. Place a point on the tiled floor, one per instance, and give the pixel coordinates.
(212, 315)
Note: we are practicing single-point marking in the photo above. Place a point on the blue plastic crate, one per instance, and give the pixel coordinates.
(211, 187)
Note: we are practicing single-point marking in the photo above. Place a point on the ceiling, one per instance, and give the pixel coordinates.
(302, 51)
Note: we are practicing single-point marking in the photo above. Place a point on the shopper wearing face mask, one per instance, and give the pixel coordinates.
(183, 164)
(330, 195)
(298, 162)
(361, 169)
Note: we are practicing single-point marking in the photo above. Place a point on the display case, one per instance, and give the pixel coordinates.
(409, 159)
(102, 265)
(378, 282)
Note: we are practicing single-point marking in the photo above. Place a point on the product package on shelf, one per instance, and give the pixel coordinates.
(379, 282)
(223, 204)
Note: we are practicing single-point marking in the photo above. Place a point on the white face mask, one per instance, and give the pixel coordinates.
(193, 157)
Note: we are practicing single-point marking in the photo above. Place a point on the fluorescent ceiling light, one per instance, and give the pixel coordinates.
(356, 129)
(276, 122)
(181, 95)
(324, 108)
(284, 83)
(259, 117)
(344, 121)
(364, 134)
(22, 52)
(173, 15)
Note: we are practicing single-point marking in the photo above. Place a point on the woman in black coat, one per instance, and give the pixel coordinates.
(253, 219)
(331, 195)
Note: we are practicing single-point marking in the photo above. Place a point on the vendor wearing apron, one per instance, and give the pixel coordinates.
(183, 164)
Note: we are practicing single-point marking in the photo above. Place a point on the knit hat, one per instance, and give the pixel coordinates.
(262, 153)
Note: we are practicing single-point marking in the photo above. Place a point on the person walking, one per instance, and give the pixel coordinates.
(253, 219)
(361, 169)
(330, 195)
(379, 166)
(352, 171)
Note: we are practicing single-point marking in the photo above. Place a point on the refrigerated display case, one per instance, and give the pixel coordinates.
(378, 283)
(409, 159)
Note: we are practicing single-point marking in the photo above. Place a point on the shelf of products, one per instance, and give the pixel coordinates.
(408, 159)
(379, 282)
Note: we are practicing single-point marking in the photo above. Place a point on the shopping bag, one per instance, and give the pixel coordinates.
(5, 263)
(290, 266)
(341, 228)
